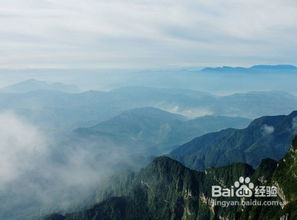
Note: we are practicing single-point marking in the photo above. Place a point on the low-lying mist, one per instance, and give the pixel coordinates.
(39, 176)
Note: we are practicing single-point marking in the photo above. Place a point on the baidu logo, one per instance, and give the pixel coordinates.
(244, 188)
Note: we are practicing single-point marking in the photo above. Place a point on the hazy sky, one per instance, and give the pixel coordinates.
(146, 33)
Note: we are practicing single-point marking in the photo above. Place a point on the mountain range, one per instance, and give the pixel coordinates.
(155, 130)
(48, 108)
(166, 189)
(36, 85)
(217, 80)
(265, 137)
(256, 68)
(208, 139)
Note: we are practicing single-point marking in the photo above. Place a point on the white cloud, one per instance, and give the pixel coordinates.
(187, 112)
(267, 129)
(21, 147)
(127, 33)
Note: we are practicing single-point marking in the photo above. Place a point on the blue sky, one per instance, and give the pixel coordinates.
(146, 33)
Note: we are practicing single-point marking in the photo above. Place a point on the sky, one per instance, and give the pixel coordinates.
(146, 33)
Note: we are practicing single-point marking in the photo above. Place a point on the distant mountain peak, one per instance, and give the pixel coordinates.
(152, 111)
(35, 85)
(279, 67)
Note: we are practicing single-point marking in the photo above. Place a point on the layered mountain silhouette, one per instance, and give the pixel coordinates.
(193, 103)
(256, 68)
(48, 108)
(265, 137)
(36, 85)
(156, 130)
(165, 189)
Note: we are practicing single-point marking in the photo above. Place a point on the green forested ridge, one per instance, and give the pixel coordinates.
(265, 137)
(166, 189)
